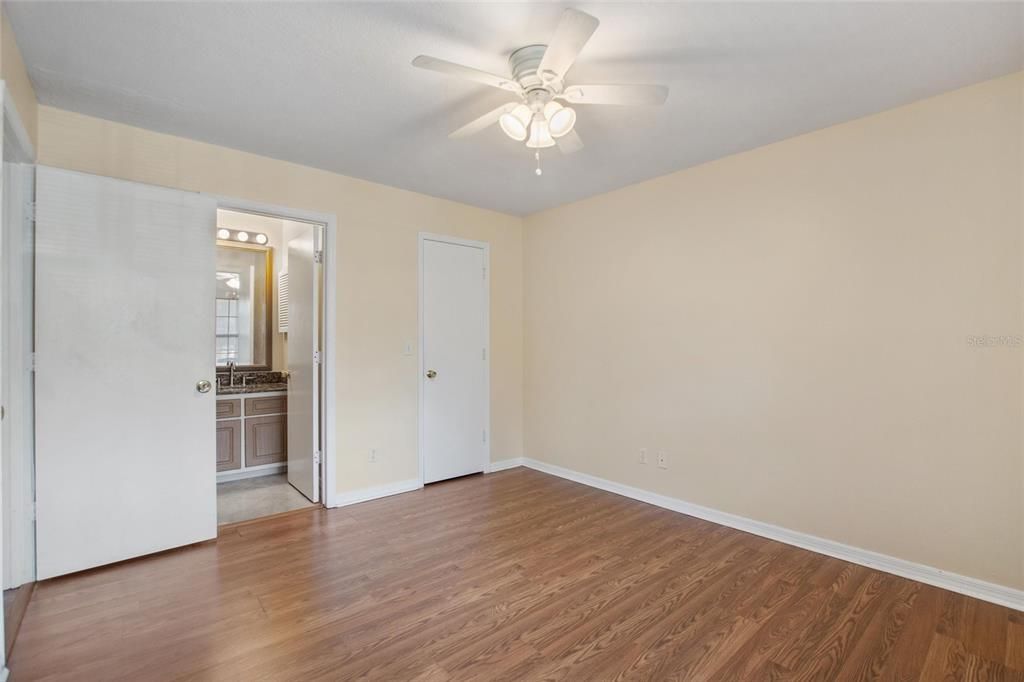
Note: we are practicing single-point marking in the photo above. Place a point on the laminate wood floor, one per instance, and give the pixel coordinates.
(515, 575)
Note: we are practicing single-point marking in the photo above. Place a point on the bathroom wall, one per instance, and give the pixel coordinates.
(274, 229)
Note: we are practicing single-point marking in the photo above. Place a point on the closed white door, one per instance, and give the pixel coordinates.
(125, 450)
(303, 364)
(455, 401)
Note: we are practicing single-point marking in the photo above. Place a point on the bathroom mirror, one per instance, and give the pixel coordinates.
(242, 317)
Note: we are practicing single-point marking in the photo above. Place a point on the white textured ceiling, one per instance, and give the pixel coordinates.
(329, 84)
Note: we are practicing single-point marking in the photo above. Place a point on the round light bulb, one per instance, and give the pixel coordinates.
(560, 119)
(261, 239)
(242, 236)
(223, 234)
(514, 123)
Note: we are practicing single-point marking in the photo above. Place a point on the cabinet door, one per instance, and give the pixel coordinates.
(271, 404)
(229, 444)
(229, 408)
(266, 440)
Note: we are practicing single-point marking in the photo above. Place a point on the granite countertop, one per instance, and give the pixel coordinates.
(253, 388)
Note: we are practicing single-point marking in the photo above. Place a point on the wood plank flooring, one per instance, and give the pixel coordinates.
(511, 576)
(15, 604)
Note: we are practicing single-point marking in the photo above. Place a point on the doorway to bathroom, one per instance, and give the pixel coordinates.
(124, 367)
(268, 342)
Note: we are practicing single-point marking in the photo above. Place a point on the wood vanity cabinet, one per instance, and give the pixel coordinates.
(229, 408)
(229, 444)
(266, 440)
(252, 432)
(269, 404)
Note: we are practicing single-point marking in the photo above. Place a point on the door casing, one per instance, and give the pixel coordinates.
(328, 306)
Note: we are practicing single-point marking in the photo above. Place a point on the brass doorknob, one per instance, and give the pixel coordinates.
(203, 386)
(431, 374)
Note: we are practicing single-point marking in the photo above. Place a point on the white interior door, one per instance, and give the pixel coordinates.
(125, 446)
(454, 317)
(303, 369)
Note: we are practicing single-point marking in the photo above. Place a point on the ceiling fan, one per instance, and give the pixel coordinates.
(538, 82)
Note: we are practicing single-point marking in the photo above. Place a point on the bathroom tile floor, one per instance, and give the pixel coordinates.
(252, 498)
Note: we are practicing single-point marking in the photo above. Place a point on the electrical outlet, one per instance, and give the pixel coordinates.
(373, 455)
(662, 460)
(643, 455)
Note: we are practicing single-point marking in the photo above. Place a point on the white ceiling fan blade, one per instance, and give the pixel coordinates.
(465, 72)
(488, 119)
(569, 143)
(573, 32)
(616, 94)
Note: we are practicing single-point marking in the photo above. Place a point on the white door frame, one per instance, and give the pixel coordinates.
(328, 368)
(17, 145)
(486, 248)
(17, 148)
(19, 423)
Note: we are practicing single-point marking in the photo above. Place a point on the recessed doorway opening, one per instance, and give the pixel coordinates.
(269, 340)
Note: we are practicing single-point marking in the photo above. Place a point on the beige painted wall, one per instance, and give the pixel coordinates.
(376, 297)
(792, 326)
(14, 75)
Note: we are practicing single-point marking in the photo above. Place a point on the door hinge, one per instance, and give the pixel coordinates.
(485, 272)
(30, 210)
(33, 361)
(316, 357)
(483, 354)
(318, 256)
(32, 511)
(316, 458)
(485, 435)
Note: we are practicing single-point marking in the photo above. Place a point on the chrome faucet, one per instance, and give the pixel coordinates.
(231, 373)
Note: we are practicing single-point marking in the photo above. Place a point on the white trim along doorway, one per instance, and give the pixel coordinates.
(328, 447)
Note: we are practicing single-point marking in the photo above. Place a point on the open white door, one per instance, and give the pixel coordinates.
(125, 448)
(454, 390)
(304, 364)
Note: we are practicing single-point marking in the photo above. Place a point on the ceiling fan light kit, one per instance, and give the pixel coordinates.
(516, 123)
(538, 73)
(560, 119)
(540, 136)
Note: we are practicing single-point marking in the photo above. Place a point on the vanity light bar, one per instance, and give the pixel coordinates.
(243, 236)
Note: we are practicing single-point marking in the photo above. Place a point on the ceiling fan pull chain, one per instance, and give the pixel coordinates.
(536, 155)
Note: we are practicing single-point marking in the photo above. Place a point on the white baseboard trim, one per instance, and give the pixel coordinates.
(376, 492)
(268, 470)
(972, 587)
(503, 464)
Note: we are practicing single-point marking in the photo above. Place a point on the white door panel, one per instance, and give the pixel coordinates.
(455, 400)
(125, 461)
(304, 374)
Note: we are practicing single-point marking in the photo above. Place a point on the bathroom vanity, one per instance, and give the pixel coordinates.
(252, 399)
(252, 430)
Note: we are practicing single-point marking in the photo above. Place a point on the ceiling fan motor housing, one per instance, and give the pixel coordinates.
(523, 63)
